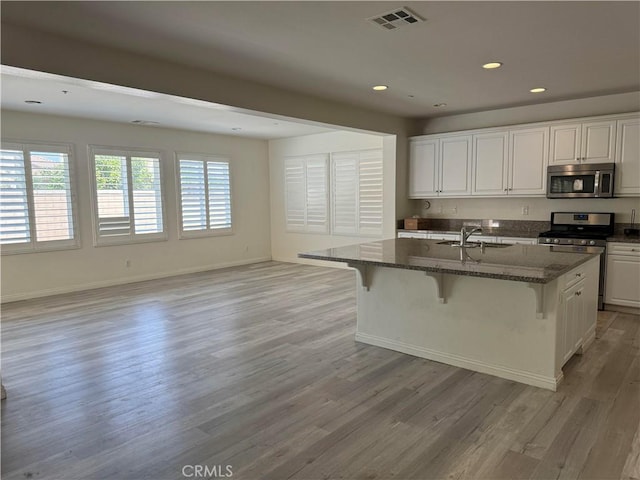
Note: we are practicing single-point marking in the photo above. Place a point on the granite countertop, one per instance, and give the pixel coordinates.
(521, 263)
(497, 232)
(623, 239)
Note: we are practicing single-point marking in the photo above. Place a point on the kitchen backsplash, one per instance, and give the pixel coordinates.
(527, 209)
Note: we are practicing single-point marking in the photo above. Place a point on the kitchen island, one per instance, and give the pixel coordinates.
(514, 311)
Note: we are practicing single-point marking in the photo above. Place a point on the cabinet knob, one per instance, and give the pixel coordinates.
(579, 293)
(578, 274)
(506, 189)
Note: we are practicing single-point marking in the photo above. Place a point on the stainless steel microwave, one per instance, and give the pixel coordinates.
(593, 180)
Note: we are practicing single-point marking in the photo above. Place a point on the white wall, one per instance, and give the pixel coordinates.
(37, 274)
(285, 246)
(542, 112)
(511, 208)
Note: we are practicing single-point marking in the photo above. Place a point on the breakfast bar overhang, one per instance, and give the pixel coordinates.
(517, 312)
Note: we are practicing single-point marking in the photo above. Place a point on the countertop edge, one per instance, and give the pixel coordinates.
(516, 278)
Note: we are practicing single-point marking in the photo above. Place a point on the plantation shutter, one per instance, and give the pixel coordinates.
(147, 198)
(295, 194)
(114, 219)
(306, 182)
(345, 193)
(370, 198)
(205, 194)
(128, 195)
(317, 194)
(51, 194)
(193, 195)
(219, 195)
(14, 206)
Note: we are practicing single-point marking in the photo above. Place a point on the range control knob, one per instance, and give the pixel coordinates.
(592, 242)
(583, 242)
(547, 240)
(556, 240)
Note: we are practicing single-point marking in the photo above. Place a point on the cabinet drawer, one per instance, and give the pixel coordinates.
(632, 249)
(412, 235)
(573, 277)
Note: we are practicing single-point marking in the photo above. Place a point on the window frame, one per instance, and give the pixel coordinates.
(132, 238)
(35, 246)
(204, 158)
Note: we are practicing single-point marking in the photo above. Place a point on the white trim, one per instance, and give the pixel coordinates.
(521, 376)
(123, 281)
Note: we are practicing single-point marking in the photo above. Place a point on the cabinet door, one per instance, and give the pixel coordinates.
(423, 158)
(623, 280)
(598, 142)
(565, 144)
(490, 159)
(455, 166)
(627, 181)
(573, 312)
(528, 155)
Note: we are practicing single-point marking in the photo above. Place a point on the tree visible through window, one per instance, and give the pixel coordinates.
(128, 196)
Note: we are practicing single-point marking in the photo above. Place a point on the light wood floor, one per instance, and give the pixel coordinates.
(256, 367)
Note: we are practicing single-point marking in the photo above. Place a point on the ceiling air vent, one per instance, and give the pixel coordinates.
(396, 18)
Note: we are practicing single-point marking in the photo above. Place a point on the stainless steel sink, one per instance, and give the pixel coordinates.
(456, 243)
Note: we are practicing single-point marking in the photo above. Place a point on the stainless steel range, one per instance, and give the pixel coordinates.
(581, 232)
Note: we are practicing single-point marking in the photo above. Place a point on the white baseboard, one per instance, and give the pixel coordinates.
(550, 383)
(622, 309)
(122, 281)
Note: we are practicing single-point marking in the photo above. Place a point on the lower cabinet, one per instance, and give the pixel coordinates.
(573, 308)
(623, 274)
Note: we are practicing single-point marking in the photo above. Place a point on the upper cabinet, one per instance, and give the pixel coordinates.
(440, 166)
(589, 142)
(627, 181)
(510, 161)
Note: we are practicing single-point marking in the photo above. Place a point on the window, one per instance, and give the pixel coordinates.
(357, 193)
(36, 198)
(306, 193)
(128, 204)
(204, 191)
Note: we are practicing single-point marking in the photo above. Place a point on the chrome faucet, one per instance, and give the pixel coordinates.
(464, 235)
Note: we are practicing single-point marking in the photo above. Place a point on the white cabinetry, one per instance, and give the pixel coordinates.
(623, 274)
(406, 234)
(423, 168)
(440, 166)
(627, 180)
(517, 240)
(578, 290)
(528, 156)
(490, 163)
(589, 142)
(573, 304)
(511, 162)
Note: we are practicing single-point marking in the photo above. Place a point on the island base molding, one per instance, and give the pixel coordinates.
(550, 383)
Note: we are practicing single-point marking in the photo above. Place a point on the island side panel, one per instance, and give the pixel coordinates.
(486, 325)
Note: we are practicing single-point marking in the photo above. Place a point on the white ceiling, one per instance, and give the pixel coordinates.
(87, 99)
(328, 49)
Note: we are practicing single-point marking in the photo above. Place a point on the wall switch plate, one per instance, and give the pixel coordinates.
(454, 210)
(525, 210)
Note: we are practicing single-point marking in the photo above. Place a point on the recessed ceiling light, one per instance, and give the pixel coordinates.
(538, 90)
(145, 122)
(492, 65)
(33, 102)
(236, 129)
(438, 105)
(379, 88)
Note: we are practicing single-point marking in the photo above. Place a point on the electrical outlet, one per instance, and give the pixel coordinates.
(127, 263)
(454, 210)
(525, 210)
